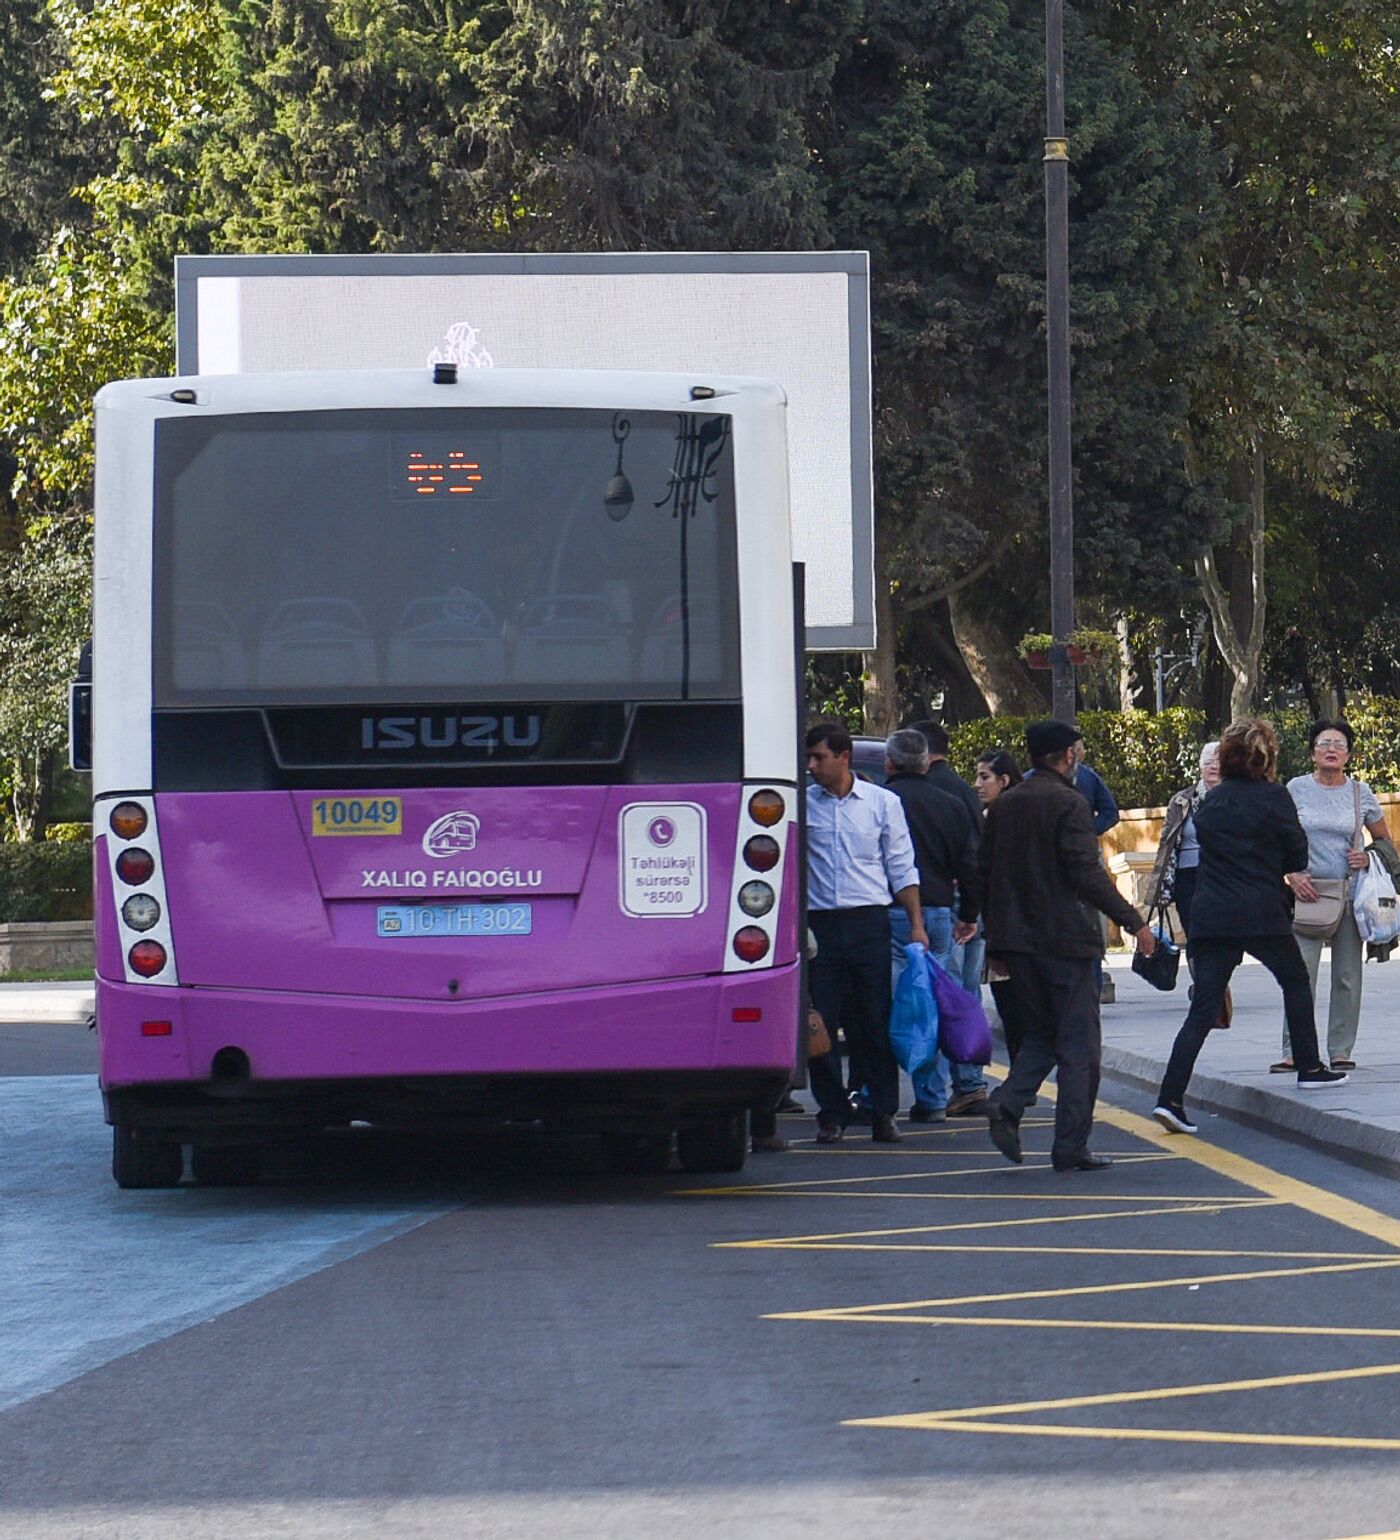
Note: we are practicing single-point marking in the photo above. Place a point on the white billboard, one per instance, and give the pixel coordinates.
(802, 319)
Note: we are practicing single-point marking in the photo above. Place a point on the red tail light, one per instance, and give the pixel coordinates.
(750, 944)
(156, 1029)
(134, 866)
(148, 957)
(761, 853)
(746, 1013)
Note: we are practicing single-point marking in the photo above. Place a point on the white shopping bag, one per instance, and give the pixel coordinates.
(1374, 902)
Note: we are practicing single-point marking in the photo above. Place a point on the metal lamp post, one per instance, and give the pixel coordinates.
(1057, 349)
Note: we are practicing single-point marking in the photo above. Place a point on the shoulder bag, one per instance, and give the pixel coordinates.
(1161, 968)
(1318, 918)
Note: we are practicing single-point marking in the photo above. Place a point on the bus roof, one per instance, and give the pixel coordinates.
(352, 388)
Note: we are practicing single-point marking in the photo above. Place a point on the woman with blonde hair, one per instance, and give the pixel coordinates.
(1250, 840)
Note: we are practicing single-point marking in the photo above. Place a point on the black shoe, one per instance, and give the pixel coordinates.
(1172, 1117)
(918, 1113)
(1311, 1079)
(1088, 1161)
(883, 1130)
(789, 1105)
(858, 1113)
(829, 1131)
(1005, 1135)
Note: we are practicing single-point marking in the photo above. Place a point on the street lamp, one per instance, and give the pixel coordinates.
(1057, 357)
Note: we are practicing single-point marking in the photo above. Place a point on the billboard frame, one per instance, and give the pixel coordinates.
(860, 634)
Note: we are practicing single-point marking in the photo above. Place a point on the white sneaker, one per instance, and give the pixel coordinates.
(1173, 1119)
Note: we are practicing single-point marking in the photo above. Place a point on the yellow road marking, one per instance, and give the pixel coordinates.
(1141, 1285)
(1033, 1157)
(1059, 1251)
(1207, 1207)
(820, 1190)
(1133, 1397)
(1145, 1435)
(1249, 1173)
(1045, 1323)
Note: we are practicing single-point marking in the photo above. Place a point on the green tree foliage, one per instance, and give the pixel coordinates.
(1300, 101)
(934, 155)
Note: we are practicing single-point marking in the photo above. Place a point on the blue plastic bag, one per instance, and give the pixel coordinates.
(914, 1014)
(965, 1034)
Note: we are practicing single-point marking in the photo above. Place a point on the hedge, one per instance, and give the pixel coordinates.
(45, 881)
(1145, 757)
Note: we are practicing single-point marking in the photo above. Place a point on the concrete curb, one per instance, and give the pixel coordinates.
(46, 1005)
(1338, 1133)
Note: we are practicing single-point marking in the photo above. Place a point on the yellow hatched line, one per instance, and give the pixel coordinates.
(1142, 1435)
(818, 1190)
(1133, 1397)
(1069, 1323)
(1033, 1157)
(1061, 1251)
(1137, 1286)
(1207, 1207)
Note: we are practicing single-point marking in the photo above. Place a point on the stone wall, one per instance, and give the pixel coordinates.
(46, 947)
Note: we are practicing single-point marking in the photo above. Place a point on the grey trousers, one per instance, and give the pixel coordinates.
(1344, 1004)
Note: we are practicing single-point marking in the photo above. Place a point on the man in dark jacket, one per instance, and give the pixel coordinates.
(1040, 867)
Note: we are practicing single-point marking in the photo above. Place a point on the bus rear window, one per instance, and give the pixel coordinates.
(495, 554)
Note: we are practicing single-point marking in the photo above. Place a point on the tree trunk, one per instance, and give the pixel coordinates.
(881, 693)
(992, 660)
(1127, 699)
(1241, 647)
(31, 796)
(931, 635)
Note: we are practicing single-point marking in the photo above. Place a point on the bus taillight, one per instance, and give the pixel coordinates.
(750, 944)
(767, 807)
(146, 958)
(134, 866)
(756, 899)
(761, 853)
(128, 820)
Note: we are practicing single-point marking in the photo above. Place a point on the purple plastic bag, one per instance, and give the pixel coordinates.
(964, 1033)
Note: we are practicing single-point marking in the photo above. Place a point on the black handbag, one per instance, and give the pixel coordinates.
(1160, 969)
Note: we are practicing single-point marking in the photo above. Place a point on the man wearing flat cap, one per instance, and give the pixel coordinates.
(1042, 879)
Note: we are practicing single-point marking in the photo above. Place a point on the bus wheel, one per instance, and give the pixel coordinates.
(145, 1162)
(226, 1165)
(720, 1145)
(644, 1154)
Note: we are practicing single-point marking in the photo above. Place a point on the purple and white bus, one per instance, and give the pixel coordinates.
(445, 763)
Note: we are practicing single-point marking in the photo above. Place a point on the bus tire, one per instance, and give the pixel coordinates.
(226, 1165)
(644, 1154)
(720, 1145)
(140, 1162)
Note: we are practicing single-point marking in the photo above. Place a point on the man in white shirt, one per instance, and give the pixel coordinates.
(858, 853)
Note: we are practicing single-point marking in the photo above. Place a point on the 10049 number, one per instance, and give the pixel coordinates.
(357, 815)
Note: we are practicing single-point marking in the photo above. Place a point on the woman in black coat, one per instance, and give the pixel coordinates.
(1250, 840)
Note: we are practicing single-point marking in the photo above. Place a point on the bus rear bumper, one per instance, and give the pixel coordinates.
(242, 1058)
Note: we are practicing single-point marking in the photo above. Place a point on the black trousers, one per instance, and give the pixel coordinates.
(1055, 1002)
(1010, 1023)
(1213, 960)
(850, 983)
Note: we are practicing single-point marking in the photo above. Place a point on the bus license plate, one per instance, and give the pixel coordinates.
(455, 920)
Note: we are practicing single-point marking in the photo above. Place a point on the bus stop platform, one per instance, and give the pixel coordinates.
(1359, 1121)
(46, 1004)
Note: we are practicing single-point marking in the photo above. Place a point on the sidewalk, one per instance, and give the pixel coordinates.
(1360, 1119)
(45, 1005)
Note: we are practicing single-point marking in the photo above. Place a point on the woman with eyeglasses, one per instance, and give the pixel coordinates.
(1327, 808)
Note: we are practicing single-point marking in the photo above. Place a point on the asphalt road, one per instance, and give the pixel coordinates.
(494, 1338)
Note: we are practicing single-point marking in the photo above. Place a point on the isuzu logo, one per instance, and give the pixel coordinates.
(451, 834)
(449, 732)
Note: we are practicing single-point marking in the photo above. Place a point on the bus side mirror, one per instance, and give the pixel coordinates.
(80, 725)
(80, 713)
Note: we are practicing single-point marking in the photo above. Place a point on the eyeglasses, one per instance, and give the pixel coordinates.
(1331, 743)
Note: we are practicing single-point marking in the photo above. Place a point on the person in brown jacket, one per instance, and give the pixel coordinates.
(1042, 879)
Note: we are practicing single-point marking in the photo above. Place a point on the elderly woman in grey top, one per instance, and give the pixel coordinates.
(1327, 803)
